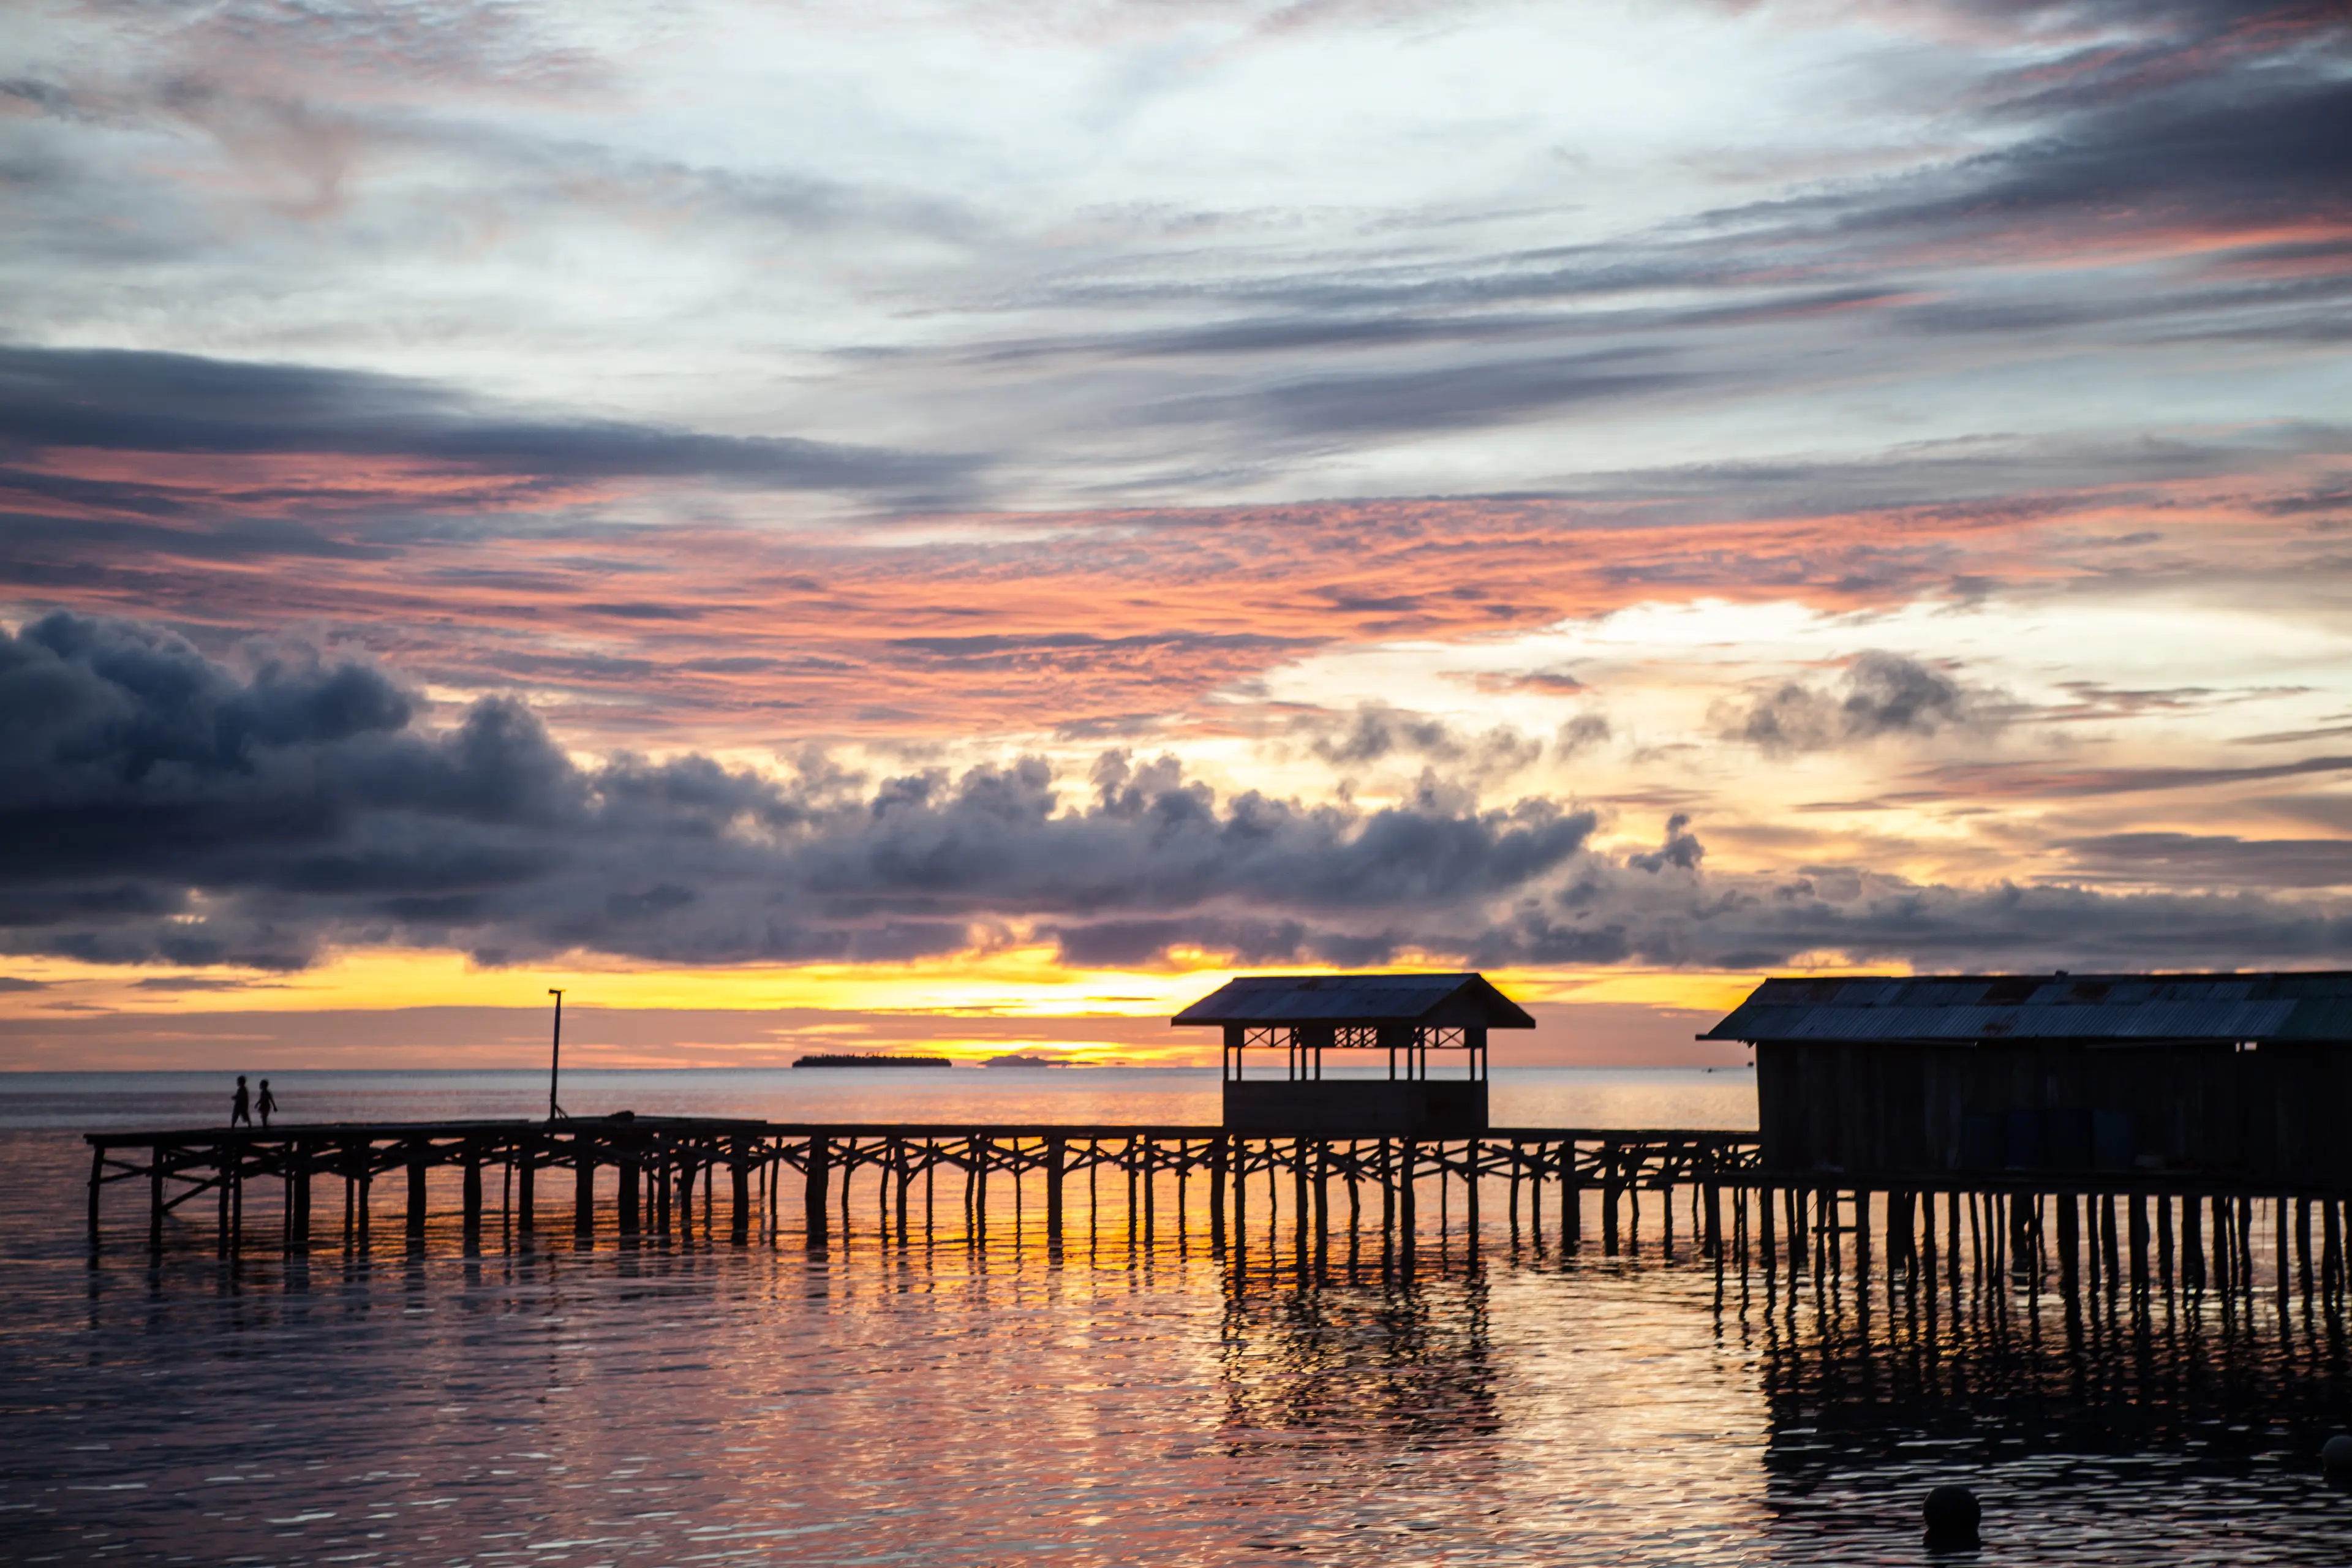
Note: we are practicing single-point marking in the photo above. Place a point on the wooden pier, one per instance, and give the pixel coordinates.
(633, 1177)
(1672, 1194)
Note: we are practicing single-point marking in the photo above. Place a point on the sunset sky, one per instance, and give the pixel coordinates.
(961, 525)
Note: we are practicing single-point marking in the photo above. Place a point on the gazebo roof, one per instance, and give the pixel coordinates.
(1431, 1001)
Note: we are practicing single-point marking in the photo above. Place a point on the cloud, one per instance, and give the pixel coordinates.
(1682, 850)
(1580, 734)
(1881, 694)
(1376, 732)
(158, 807)
(105, 400)
(2213, 860)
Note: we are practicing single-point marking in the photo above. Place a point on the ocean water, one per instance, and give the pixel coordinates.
(961, 1400)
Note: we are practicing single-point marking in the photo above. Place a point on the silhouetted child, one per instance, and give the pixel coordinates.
(267, 1103)
(240, 1110)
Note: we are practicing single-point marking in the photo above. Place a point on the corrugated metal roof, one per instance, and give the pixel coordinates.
(1967, 1008)
(1435, 1000)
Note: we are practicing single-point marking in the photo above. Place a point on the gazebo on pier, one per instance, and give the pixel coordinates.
(1397, 1021)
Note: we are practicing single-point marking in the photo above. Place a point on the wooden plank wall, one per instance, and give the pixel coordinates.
(2277, 1112)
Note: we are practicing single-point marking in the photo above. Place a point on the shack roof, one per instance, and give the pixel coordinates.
(1963, 1009)
(1433, 1001)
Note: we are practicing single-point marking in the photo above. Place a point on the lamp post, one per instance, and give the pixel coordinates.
(555, 1057)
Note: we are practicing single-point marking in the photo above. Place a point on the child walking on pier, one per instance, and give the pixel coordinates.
(240, 1110)
(267, 1103)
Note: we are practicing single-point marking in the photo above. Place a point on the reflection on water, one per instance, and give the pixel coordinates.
(944, 1401)
(1389, 1367)
(2100, 1427)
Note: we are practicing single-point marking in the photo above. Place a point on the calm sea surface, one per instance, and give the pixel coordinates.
(960, 1401)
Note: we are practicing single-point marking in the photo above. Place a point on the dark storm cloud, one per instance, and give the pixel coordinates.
(1880, 694)
(157, 807)
(121, 401)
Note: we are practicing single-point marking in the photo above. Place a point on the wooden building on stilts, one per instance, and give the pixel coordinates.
(2244, 1078)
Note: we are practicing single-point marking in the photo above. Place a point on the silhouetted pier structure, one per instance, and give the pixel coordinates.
(2135, 1212)
(634, 1177)
(1610, 1193)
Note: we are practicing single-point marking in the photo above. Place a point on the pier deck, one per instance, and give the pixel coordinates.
(635, 1178)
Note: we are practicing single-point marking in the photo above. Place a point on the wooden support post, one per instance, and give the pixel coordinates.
(226, 1230)
(1057, 1155)
(1322, 1196)
(2137, 1218)
(1241, 1199)
(2219, 1277)
(155, 1199)
(1470, 1152)
(1218, 1154)
(1408, 1162)
(2164, 1240)
(1861, 1249)
(2302, 1246)
(1608, 1191)
(1301, 1227)
(2332, 1249)
(1952, 1242)
(583, 1189)
(526, 1187)
(627, 1169)
(1712, 1238)
(2110, 1249)
(1355, 1198)
(2192, 1244)
(97, 1184)
(1387, 1158)
(473, 1194)
(983, 1152)
(2091, 1220)
(1770, 1256)
(739, 1216)
(819, 1173)
(2069, 1243)
(417, 1156)
(1572, 1199)
(300, 1176)
(1925, 1253)
(2278, 1249)
(1147, 1164)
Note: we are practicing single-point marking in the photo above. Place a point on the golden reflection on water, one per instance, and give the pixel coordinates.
(943, 1398)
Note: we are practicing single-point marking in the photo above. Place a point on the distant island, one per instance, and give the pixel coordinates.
(1021, 1061)
(854, 1059)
